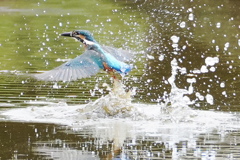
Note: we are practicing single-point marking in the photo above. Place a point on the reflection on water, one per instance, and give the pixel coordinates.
(97, 141)
(187, 58)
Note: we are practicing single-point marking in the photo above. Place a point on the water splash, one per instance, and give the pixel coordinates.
(177, 105)
(116, 103)
(178, 96)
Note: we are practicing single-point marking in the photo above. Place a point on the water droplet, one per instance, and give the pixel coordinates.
(218, 25)
(212, 69)
(149, 80)
(200, 97)
(175, 46)
(184, 47)
(226, 46)
(150, 56)
(210, 61)
(182, 24)
(56, 86)
(209, 99)
(191, 17)
(189, 10)
(191, 80)
(222, 85)
(175, 39)
(204, 69)
(161, 57)
(224, 93)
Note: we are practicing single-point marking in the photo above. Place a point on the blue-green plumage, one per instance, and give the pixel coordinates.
(95, 57)
(109, 59)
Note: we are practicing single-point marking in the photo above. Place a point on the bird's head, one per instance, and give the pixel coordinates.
(80, 35)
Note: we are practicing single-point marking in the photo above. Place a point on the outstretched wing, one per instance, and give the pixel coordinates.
(82, 66)
(119, 54)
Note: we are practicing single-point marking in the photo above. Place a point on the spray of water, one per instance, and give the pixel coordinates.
(116, 103)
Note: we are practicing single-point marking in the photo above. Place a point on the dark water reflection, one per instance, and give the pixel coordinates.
(202, 35)
(47, 141)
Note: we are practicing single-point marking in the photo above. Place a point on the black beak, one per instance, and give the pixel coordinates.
(70, 34)
(67, 34)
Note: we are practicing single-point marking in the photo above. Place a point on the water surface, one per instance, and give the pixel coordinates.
(186, 81)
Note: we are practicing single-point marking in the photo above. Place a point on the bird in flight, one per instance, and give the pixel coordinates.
(95, 58)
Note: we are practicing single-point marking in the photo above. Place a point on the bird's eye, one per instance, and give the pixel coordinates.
(74, 33)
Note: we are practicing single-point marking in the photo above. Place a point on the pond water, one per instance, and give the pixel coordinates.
(179, 102)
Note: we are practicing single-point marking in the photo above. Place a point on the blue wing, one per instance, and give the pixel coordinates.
(115, 58)
(117, 65)
(85, 65)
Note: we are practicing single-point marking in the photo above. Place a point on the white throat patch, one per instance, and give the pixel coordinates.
(88, 42)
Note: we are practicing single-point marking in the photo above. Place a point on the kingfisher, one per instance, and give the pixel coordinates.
(95, 58)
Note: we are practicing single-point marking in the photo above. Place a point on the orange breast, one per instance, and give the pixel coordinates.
(107, 68)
